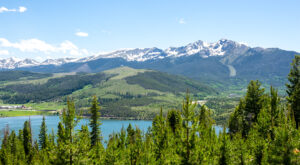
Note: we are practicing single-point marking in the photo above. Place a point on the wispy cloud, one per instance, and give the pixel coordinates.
(82, 34)
(181, 21)
(4, 52)
(36, 45)
(21, 9)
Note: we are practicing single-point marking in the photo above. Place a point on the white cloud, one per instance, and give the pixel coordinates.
(4, 9)
(82, 34)
(181, 21)
(4, 52)
(21, 9)
(69, 47)
(30, 45)
(36, 45)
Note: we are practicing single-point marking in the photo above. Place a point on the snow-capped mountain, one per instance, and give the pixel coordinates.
(199, 60)
(202, 49)
(137, 54)
(11, 63)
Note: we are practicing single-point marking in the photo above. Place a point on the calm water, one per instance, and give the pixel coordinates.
(107, 127)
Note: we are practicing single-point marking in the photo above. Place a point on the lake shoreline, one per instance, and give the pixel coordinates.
(85, 116)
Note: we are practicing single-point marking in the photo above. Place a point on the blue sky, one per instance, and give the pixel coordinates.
(43, 29)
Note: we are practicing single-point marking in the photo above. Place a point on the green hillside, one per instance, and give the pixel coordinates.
(21, 75)
(122, 92)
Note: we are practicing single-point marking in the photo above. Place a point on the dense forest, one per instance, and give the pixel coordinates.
(17, 75)
(261, 130)
(56, 87)
(174, 84)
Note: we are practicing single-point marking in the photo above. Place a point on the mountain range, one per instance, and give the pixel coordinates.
(224, 59)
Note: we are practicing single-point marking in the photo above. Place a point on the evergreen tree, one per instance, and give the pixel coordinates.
(189, 125)
(174, 120)
(205, 119)
(274, 105)
(69, 121)
(83, 146)
(61, 145)
(43, 137)
(237, 118)
(94, 122)
(253, 100)
(27, 140)
(224, 149)
(293, 89)
(160, 137)
(264, 123)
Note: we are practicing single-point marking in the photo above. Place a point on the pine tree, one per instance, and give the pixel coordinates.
(274, 109)
(61, 142)
(205, 119)
(94, 122)
(188, 124)
(174, 120)
(236, 120)
(43, 137)
(69, 121)
(160, 137)
(254, 101)
(224, 149)
(27, 141)
(83, 146)
(293, 89)
(274, 105)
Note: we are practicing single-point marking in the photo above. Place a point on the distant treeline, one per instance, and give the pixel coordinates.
(18, 75)
(169, 83)
(54, 88)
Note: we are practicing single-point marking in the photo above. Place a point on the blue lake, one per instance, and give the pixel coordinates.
(107, 127)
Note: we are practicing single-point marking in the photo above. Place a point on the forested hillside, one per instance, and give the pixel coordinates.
(123, 92)
(19, 75)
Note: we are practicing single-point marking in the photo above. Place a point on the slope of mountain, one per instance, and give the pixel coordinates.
(123, 92)
(219, 61)
(21, 75)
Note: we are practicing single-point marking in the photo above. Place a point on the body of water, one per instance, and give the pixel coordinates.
(108, 126)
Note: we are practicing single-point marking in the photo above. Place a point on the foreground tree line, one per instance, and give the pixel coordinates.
(261, 130)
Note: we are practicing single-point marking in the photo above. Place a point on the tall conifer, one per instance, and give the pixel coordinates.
(43, 137)
(94, 122)
(293, 89)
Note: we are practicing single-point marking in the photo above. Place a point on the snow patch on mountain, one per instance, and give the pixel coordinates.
(13, 62)
(203, 49)
(58, 61)
(137, 54)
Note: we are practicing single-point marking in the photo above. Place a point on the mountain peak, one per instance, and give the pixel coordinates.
(200, 48)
